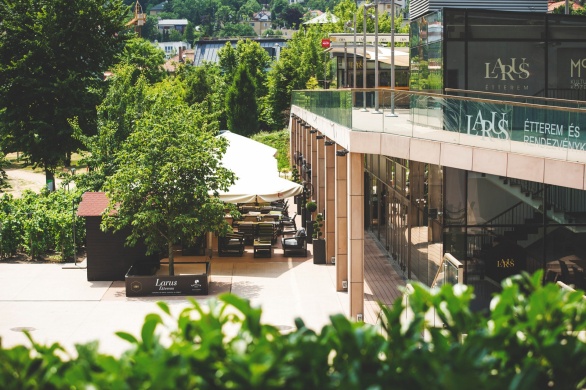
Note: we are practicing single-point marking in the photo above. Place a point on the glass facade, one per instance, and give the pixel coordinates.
(495, 226)
(517, 53)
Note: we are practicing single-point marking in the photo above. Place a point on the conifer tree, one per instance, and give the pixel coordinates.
(241, 105)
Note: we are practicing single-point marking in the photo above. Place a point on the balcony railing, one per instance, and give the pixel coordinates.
(554, 129)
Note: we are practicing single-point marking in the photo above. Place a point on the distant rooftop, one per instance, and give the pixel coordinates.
(207, 50)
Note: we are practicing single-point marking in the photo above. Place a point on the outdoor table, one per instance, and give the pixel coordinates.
(263, 248)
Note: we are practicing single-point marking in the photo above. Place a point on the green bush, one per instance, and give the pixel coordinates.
(278, 140)
(531, 339)
(39, 224)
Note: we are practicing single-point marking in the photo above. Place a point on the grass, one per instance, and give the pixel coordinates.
(280, 141)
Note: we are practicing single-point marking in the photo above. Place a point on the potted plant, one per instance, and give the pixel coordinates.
(296, 179)
(319, 244)
(310, 208)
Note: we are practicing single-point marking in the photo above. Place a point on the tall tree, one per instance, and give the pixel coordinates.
(168, 168)
(241, 107)
(123, 105)
(146, 58)
(52, 58)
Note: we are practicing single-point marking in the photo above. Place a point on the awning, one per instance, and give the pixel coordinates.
(256, 169)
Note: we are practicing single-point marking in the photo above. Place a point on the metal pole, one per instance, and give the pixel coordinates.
(392, 114)
(74, 251)
(354, 64)
(376, 111)
(364, 60)
(346, 64)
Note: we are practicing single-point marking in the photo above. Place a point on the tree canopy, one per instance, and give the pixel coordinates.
(168, 168)
(52, 59)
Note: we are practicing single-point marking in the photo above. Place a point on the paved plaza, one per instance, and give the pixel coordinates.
(58, 304)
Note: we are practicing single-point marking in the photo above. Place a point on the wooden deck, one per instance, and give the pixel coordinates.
(382, 283)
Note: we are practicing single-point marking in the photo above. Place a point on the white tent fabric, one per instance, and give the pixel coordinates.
(256, 169)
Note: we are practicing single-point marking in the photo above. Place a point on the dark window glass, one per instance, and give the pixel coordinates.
(506, 25)
(455, 21)
(566, 27)
(567, 70)
(455, 65)
(507, 67)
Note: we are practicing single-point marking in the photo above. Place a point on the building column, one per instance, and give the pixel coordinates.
(356, 234)
(293, 141)
(341, 220)
(307, 151)
(314, 166)
(320, 184)
(330, 201)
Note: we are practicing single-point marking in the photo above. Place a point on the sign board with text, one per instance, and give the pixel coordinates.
(138, 285)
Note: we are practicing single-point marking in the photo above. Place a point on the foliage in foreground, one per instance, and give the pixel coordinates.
(529, 341)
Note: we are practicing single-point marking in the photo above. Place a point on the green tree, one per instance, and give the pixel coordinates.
(189, 34)
(150, 30)
(123, 105)
(52, 58)
(236, 30)
(146, 58)
(299, 61)
(248, 9)
(3, 176)
(168, 169)
(228, 60)
(256, 59)
(241, 109)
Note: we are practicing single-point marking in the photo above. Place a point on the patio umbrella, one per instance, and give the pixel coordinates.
(256, 169)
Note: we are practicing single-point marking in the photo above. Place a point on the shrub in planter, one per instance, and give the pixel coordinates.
(310, 207)
(319, 244)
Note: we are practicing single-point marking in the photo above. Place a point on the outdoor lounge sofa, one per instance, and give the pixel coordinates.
(296, 244)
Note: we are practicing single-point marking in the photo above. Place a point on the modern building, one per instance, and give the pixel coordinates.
(484, 158)
(166, 25)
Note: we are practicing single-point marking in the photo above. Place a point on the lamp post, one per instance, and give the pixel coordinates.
(346, 27)
(365, 7)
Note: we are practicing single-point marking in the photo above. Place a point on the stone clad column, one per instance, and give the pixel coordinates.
(320, 185)
(314, 166)
(330, 201)
(341, 220)
(293, 141)
(356, 233)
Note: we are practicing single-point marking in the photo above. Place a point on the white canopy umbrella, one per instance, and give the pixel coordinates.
(256, 169)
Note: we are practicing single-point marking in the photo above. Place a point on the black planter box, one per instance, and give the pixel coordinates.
(319, 251)
(146, 280)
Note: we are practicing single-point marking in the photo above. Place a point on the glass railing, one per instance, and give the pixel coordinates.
(450, 271)
(541, 130)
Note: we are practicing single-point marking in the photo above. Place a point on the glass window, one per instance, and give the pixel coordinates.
(505, 25)
(455, 65)
(567, 70)
(455, 21)
(507, 67)
(564, 27)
